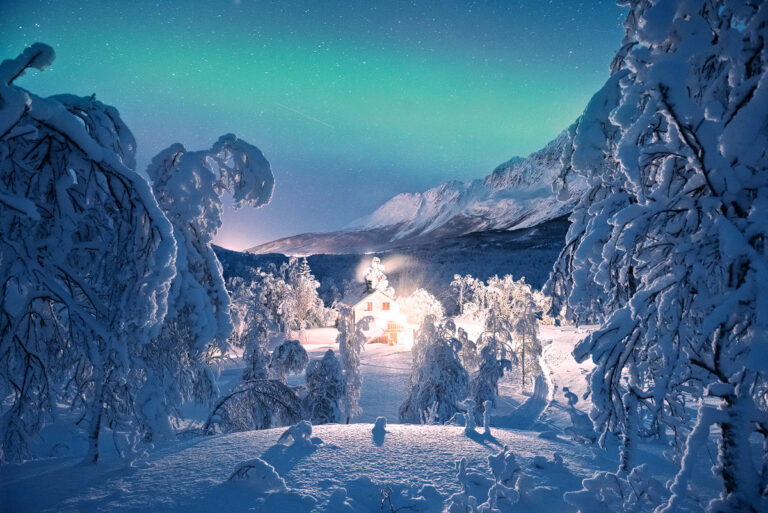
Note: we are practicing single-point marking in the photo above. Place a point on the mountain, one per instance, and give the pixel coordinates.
(517, 194)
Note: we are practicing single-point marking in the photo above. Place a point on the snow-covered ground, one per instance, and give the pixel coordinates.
(347, 467)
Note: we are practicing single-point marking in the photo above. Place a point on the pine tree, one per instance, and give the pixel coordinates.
(351, 340)
(323, 402)
(439, 383)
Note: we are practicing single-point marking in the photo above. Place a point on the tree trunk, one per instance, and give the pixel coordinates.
(740, 478)
(97, 412)
(522, 361)
(628, 440)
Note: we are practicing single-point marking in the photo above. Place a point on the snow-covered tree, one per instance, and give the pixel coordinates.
(188, 186)
(673, 252)
(302, 307)
(544, 307)
(275, 292)
(254, 404)
(290, 357)
(419, 305)
(252, 324)
(351, 340)
(498, 330)
(438, 380)
(470, 357)
(290, 294)
(87, 259)
(511, 317)
(571, 285)
(525, 325)
(261, 399)
(323, 402)
(376, 279)
(463, 287)
(484, 385)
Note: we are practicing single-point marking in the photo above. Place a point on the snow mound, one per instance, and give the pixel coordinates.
(263, 476)
(379, 430)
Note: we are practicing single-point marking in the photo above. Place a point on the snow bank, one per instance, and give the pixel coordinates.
(414, 466)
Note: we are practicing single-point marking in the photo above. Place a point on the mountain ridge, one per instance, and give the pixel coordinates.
(518, 193)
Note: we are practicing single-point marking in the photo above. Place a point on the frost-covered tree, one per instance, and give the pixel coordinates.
(86, 260)
(544, 307)
(484, 385)
(290, 294)
(463, 287)
(188, 186)
(254, 404)
(251, 324)
(438, 380)
(323, 402)
(376, 279)
(275, 292)
(470, 357)
(262, 399)
(351, 340)
(511, 315)
(572, 285)
(419, 305)
(525, 315)
(290, 357)
(302, 307)
(498, 331)
(673, 252)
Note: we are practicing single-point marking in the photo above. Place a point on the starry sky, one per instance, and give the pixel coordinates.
(352, 101)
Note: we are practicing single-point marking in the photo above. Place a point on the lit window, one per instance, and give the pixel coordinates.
(385, 306)
(369, 306)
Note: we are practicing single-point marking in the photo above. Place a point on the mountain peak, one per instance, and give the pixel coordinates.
(518, 194)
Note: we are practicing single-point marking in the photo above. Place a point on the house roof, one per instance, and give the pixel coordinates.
(357, 295)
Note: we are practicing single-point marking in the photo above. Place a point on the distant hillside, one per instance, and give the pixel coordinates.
(517, 194)
(528, 252)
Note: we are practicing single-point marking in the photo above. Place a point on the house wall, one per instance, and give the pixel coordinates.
(381, 316)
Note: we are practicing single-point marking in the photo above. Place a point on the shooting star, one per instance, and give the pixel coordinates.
(305, 115)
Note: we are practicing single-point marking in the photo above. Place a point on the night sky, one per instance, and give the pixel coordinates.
(351, 101)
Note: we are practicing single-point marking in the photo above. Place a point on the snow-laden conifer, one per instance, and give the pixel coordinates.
(351, 340)
(484, 385)
(323, 402)
(438, 380)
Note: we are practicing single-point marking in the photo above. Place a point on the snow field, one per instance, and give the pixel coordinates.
(192, 475)
(351, 468)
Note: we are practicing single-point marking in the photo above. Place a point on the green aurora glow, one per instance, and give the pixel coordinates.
(337, 98)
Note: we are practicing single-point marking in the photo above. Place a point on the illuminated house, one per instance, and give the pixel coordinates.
(388, 322)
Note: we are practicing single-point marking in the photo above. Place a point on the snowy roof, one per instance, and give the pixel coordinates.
(357, 295)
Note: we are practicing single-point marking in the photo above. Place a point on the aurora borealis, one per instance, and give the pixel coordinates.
(352, 102)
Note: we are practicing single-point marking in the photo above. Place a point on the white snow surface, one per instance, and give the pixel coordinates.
(346, 467)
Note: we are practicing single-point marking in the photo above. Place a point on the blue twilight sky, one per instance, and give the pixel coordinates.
(351, 101)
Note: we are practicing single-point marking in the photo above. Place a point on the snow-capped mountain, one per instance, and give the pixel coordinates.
(517, 194)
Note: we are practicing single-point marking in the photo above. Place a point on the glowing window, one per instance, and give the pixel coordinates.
(369, 306)
(385, 306)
